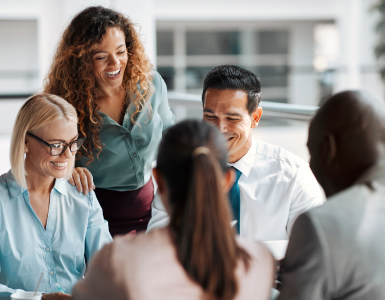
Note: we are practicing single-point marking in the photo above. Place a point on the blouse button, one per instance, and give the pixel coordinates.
(51, 273)
(135, 154)
(47, 249)
(140, 173)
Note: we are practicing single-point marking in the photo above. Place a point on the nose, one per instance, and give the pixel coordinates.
(114, 60)
(67, 153)
(222, 126)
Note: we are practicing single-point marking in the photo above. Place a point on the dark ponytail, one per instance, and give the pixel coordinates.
(193, 159)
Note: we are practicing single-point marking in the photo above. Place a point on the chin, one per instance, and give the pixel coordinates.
(58, 173)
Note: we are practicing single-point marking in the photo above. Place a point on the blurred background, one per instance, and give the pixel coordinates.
(302, 51)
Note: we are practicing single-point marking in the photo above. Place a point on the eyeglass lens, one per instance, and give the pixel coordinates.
(58, 149)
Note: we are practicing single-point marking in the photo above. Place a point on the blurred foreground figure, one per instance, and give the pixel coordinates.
(337, 251)
(197, 256)
(272, 186)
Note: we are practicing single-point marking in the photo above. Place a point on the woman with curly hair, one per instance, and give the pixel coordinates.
(100, 67)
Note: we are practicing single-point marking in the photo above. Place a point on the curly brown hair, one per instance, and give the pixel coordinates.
(71, 74)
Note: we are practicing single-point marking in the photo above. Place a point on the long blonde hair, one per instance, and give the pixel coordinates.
(36, 112)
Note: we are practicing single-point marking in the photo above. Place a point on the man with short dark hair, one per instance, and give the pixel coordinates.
(272, 186)
(337, 251)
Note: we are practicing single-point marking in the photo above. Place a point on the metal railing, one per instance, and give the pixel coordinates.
(271, 109)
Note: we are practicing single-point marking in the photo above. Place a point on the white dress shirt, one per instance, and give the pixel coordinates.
(275, 187)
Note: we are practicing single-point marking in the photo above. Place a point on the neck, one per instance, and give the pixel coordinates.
(110, 92)
(344, 181)
(234, 157)
(37, 182)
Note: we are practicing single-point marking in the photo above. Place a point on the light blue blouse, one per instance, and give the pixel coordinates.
(75, 229)
(125, 162)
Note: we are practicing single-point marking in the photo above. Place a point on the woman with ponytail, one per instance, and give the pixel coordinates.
(198, 255)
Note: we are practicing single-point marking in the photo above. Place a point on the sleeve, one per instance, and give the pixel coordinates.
(305, 267)
(5, 291)
(164, 108)
(100, 272)
(97, 229)
(159, 216)
(308, 195)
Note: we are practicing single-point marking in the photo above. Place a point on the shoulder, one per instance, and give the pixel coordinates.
(257, 250)
(157, 80)
(341, 209)
(72, 193)
(3, 183)
(279, 155)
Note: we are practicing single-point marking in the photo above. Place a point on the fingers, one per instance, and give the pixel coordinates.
(82, 178)
(84, 181)
(56, 296)
(76, 178)
(90, 179)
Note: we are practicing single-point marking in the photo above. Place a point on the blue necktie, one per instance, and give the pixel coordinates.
(235, 199)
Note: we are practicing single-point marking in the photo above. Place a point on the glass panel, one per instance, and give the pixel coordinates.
(167, 74)
(272, 42)
(212, 43)
(165, 43)
(195, 76)
(272, 76)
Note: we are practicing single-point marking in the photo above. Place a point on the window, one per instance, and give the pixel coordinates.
(212, 43)
(264, 52)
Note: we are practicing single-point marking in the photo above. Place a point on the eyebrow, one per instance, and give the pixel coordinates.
(107, 51)
(233, 114)
(63, 141)
(227, 114)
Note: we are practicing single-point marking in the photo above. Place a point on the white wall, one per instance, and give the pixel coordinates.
(18, 56)
(246, 9)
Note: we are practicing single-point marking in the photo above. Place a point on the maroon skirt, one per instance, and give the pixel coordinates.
(127, 212)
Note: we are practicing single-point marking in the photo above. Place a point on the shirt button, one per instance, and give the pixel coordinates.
(47, 249)
(51, 273)
(135, 154)
(140, 173)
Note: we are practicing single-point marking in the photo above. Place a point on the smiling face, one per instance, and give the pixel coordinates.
(227, 109)
(110, 59)
(39, 161)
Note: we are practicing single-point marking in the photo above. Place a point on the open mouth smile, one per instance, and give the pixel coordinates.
(114, 74)
(59, 166)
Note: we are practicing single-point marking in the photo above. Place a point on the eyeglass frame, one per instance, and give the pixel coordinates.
(66, 145)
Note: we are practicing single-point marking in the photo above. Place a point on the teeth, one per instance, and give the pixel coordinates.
(113, 73)
(59, 164)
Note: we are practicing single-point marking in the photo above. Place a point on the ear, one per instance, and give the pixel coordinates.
(255, 117)
(228, 180)
(328, 148)
(26, 146)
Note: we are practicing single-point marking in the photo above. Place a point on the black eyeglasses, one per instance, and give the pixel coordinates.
(59, 148)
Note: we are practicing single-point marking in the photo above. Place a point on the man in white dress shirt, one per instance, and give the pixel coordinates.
(275, 186)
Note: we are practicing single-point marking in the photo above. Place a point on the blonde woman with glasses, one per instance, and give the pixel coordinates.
(46, 226)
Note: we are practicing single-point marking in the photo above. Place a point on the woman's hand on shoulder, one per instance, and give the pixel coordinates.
(83, 180)
(56, 296)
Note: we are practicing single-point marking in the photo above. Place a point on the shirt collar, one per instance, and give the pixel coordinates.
(106, 119)
(60, 185)
(374, 173)
(16, 190)
(246, 162)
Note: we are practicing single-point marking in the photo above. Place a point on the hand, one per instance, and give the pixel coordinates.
(83, 180)
(56, 296)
